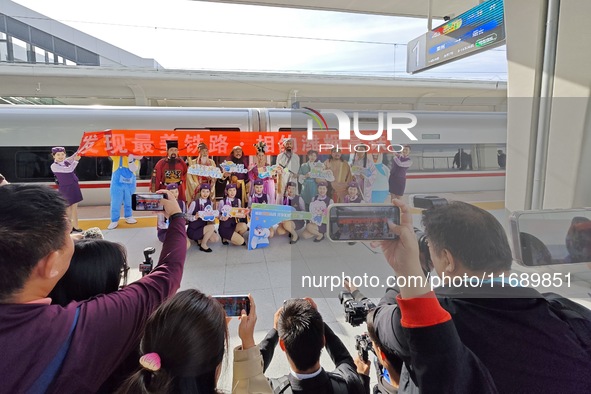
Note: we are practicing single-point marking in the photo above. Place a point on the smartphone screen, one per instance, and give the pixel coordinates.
(234, 304)
(147, 202)
(361, 222)
(560, 236)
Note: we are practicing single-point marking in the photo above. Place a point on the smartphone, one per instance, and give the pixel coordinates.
(546, 237)
(147, 202)
(361, 222)
(234, 304)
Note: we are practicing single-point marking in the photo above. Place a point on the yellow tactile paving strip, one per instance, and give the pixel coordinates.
(150, 221)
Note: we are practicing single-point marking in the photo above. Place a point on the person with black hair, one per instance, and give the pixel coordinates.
(97, 267)
(342, 175)
(502, 337)
(302, 334)
(183, 347)
(501, 159)
(78, 346)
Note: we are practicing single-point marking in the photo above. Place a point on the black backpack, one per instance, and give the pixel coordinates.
(575, 315)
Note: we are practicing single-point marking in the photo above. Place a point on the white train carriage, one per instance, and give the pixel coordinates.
(27, 134)
(440, 135)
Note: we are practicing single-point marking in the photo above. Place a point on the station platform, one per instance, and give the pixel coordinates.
(271, 274)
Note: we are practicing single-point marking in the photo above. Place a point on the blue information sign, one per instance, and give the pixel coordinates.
(476, 30)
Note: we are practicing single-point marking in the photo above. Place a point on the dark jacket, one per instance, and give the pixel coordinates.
(345, 373)
(512, 332)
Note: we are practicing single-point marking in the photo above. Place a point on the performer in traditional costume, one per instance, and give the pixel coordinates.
(342, 175)
(63, 168)
(364, 173)
(200, 230)
(290, 162)
(171, 170)
(318, 208)
(309, 184)
(240, 179)
(260, 167)
(193, 181)
(291, 198)
(400, 164)
(231, 228)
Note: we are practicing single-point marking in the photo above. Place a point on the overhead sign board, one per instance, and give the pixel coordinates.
(476, 30)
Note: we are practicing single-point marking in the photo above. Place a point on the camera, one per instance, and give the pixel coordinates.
(355, 310)
(363, 345)
(426, 202)
(148, 264)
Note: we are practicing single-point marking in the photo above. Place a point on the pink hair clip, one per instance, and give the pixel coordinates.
(150, 361)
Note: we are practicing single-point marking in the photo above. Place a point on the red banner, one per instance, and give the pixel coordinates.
(219, 143)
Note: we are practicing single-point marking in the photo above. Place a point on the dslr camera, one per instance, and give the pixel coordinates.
(147, 265)
(355, 309)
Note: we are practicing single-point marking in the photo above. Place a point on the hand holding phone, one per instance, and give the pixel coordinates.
(246, 326)
(147, 202)
(361, 222)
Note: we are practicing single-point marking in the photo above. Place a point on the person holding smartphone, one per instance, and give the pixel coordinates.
(183, 347)
(77, 347)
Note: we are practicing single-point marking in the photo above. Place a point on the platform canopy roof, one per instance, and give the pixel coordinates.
(410, 8)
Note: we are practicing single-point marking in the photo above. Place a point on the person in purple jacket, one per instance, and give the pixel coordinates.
(71, 349)
(67, 182)
(400, 164)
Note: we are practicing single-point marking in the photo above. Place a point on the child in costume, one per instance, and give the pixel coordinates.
(63, 168)
(231, 228)
(199, 230)
(258, 168)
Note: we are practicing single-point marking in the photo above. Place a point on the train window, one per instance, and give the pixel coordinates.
(33, 165)
(447, 157)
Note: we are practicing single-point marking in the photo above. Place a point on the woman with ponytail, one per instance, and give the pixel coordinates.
(183, 347)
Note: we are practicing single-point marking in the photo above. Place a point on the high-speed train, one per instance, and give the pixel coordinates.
(27, 134)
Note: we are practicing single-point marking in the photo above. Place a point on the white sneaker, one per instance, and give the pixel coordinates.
(130, 220)
(112, 225)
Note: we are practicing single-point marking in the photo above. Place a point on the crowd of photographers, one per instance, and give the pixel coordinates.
(59, 334)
